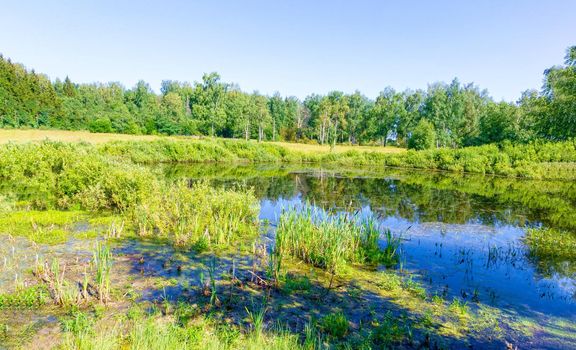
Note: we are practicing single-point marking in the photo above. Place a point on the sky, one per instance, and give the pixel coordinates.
(294, 47)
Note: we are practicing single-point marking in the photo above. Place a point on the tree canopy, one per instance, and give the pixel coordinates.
(456, 114)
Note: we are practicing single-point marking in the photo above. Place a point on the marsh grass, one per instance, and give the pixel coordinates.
(330, 241)
(142, 330)
(62, 291)
(68, 287)
(198, 216)
(256, 319)
(335, 324)
(103, 264)
(25, 298)
(50, 226)
(388, 332)
(553, 251)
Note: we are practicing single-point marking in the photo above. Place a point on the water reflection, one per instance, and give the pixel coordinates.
(463, 234)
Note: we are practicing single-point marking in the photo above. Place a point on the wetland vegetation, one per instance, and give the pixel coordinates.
(466, 239)
(106, 247)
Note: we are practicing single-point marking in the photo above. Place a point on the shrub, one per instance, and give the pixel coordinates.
(423, 136)
(103, 125)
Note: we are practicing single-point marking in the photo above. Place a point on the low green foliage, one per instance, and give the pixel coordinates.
(25, 297)
(68, 176)
(197, 215)
(330, 241)
(335, 324)
(553, 251)
(545, 160)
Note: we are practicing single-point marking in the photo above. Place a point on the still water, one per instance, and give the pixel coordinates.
(462, 234)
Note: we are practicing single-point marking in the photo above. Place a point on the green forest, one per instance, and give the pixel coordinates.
(444, 115)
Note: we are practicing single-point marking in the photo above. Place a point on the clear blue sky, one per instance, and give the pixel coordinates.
(294, 47)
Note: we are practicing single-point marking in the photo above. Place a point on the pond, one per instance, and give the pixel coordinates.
(463, 235)
(462, 243)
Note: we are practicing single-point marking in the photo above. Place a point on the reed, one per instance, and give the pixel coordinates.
(198, 216)
(102, 258)
(330, 241)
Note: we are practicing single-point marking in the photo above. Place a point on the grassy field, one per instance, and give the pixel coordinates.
(34, 135)
(312, 148)
(23, 136)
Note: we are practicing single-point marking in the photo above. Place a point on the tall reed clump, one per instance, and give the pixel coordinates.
(330, 241)
(198, 215)
(103, 264)
(62, 291)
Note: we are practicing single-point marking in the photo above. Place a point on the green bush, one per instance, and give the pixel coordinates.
(103, 125)
(423, 136)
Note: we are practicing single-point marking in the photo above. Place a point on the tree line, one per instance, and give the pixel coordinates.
(444, 115)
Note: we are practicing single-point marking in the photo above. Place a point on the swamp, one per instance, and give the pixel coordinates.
(103, 253)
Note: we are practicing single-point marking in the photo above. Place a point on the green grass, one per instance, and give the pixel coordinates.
(335, 324)
(25, 298)
(330, 241)
(139, 330)
(198, 216)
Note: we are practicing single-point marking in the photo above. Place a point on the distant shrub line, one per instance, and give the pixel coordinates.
(109, 176)
(538, 160)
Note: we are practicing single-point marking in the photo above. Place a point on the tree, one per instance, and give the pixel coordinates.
(500, 122)
(559, 121)
(358, 106)
(207, 103)
(386, 114)
(423, 136)
(260, 113)
(412, 114)
(336, 106)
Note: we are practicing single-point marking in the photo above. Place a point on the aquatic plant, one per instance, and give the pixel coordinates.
(25, 297)
(335, 324)
(459, 307)
(102, 258)
(330, 241)
(197, 216)
(61, 290)
(552, 250)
